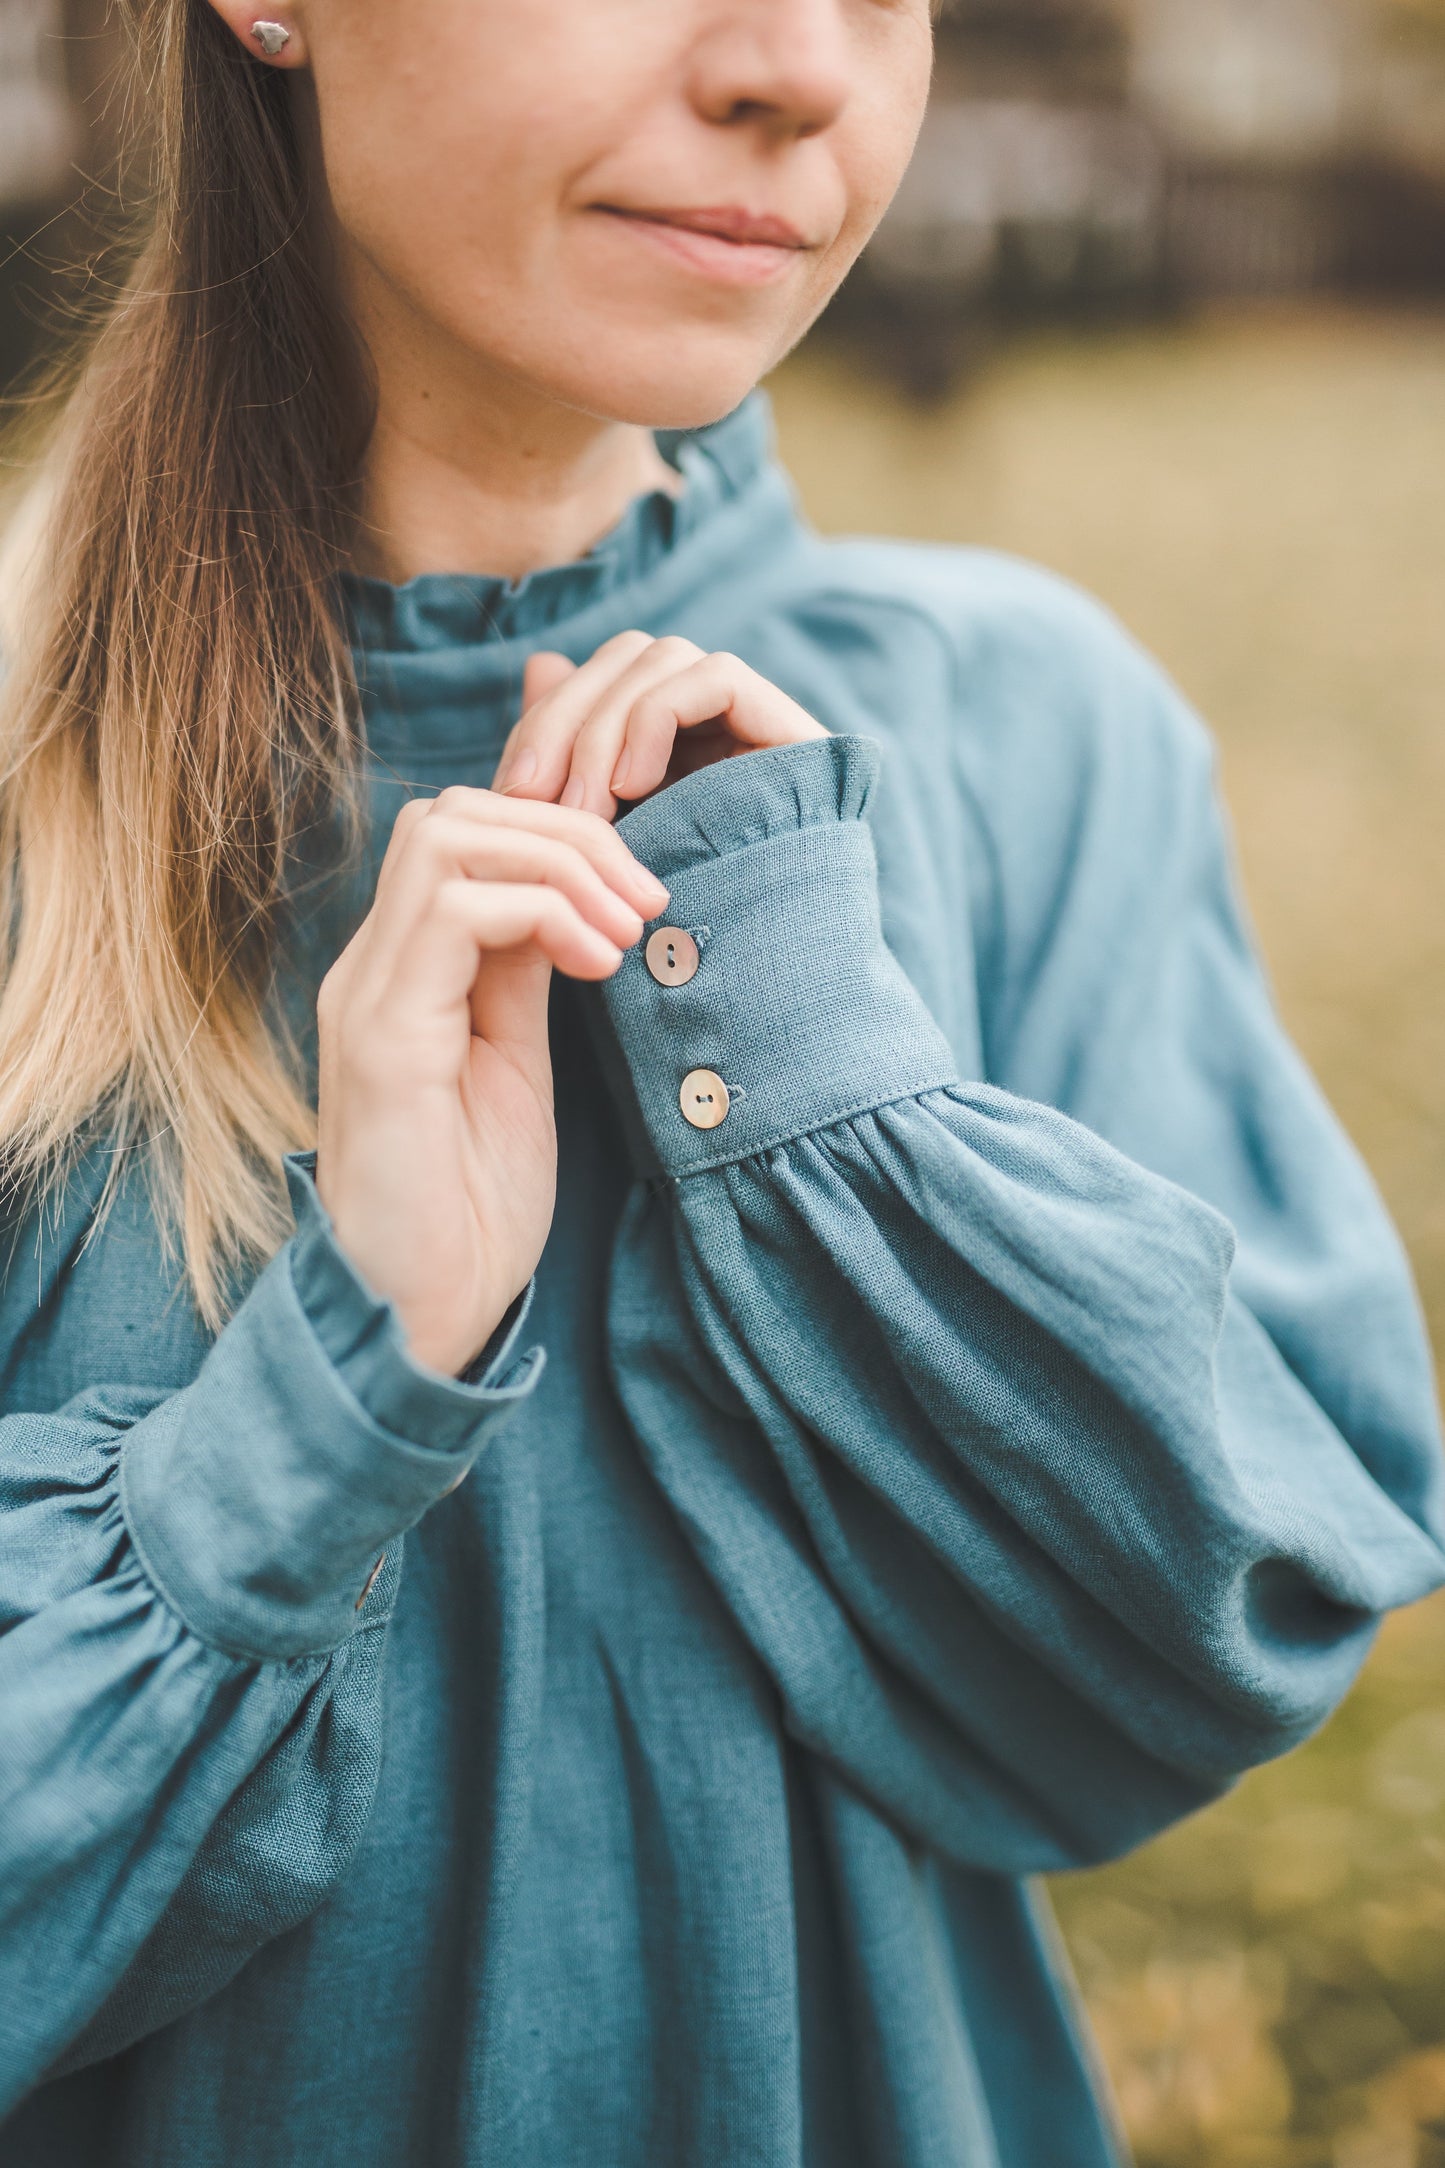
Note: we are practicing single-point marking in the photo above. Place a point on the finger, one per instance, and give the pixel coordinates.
(535, 757)
(542, 672)
(479, 851)
(599, 741)
(715, 689)
(414, 810)
(364, 939)
(597, 842)
(427, 979)
(476, 919)
(433, 983)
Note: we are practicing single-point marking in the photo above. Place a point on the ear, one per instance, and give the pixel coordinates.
(270, 32)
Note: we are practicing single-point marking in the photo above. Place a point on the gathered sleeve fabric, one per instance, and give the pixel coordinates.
(194, 1590)
(1043, 1482)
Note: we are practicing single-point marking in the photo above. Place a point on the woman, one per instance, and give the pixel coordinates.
(984, 1408)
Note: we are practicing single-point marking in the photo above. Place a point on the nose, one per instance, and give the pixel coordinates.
(780, 65)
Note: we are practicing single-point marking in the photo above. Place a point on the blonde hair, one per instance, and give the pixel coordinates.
(177, 699)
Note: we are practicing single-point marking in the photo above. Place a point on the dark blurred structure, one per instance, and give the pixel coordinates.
(36, 123)
(58, 144)
(1108, 155)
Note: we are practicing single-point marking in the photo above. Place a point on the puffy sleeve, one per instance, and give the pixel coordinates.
(191, 1626)
(1052, 1486)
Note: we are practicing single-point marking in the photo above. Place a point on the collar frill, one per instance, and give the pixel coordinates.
(443, 609)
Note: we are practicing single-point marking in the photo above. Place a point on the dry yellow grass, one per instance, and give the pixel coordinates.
(1260, 498)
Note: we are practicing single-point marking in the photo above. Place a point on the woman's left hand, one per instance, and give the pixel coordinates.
(637, 715)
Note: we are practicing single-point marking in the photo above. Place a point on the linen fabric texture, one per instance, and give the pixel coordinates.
(1007, 1426)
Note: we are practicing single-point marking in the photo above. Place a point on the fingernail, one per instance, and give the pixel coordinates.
(655, 888)
(621, 771)
(516, 773)
(574, 791)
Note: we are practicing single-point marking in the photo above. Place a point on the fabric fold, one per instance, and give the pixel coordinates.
(1048, 1540)
(125, 1735)
(193, 1591)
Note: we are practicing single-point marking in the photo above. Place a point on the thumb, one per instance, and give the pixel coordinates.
(544, 670)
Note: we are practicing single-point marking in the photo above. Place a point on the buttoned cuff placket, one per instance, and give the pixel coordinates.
(765, 1003)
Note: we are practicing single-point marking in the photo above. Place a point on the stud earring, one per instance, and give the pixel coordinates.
(270, 37)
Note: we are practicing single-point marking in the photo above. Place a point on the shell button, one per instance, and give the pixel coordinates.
(671, 957)
(704, 1098)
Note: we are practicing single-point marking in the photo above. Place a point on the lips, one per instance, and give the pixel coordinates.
(723, 222)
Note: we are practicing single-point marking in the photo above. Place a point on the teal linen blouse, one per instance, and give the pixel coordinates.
(1006, 1427)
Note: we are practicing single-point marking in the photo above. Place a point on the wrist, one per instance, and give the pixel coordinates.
(445, 1355)
(415, 1384)
(443, 1338)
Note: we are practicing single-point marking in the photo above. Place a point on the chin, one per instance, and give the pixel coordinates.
(680, 406)
(668, 379)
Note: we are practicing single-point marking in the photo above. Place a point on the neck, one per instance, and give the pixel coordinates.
(470, 471)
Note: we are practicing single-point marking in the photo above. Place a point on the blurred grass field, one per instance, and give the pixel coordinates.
(1261, 498)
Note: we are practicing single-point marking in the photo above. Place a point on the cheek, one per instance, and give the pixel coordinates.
(878, 136)
(416, 199)
(439, 153)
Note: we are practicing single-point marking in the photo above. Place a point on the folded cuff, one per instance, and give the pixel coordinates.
(261, 1495)
(796, 1004)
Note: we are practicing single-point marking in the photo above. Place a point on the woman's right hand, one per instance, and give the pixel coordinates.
(437, 1154)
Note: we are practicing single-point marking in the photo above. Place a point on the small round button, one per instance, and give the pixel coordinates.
(671, 956)
(704, 1098)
